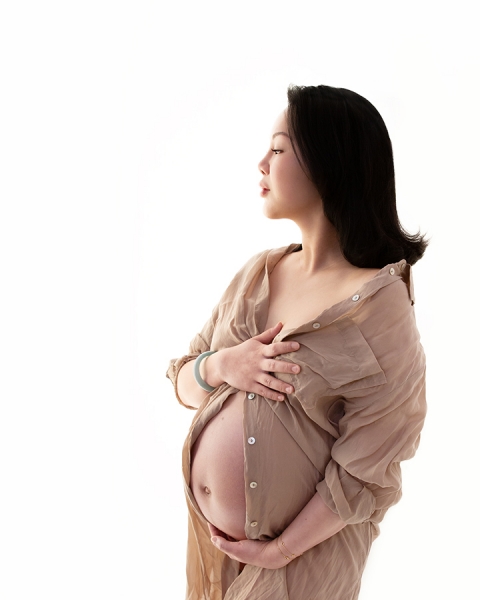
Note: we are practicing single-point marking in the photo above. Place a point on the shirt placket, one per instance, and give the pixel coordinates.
(254, 486)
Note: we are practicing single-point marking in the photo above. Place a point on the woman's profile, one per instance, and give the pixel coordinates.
(309, 377)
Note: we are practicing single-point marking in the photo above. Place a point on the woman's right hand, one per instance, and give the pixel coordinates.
(249, 366)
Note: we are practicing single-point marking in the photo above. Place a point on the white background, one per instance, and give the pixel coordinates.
(130, 132)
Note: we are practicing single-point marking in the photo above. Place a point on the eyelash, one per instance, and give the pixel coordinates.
(275, 150)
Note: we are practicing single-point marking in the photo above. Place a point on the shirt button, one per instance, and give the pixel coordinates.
(253, 524)
(392, 271)
(356, 297)
(253, 485)
(251, 396)
(251, 440)
(316, 325)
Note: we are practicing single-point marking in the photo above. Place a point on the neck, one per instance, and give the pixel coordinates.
(320, 247)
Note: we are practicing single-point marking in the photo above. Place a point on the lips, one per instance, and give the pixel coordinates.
(264, 189)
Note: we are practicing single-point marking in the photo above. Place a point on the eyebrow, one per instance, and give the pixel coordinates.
(280, 133)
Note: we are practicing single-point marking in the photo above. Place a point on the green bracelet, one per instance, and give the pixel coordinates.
(196, 371)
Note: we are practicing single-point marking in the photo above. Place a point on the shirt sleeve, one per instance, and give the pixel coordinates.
(377, 410)
(376, 432)
(202, 342)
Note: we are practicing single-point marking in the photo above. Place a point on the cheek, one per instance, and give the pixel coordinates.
(285, 178)
(303, 183)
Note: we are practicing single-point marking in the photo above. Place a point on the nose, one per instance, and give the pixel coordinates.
(264, 166)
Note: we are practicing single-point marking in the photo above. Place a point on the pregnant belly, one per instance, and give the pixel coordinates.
(217, 469)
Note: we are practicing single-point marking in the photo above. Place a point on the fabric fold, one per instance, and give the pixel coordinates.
(356, 413)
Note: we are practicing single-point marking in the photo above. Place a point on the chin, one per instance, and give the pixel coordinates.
(271, 213)
(274, 216)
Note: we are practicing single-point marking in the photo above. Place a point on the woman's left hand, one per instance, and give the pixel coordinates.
(251, 552)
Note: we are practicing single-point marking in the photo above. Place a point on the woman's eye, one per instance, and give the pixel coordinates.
(275, 150)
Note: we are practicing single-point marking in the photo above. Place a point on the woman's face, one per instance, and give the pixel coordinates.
(288, 192)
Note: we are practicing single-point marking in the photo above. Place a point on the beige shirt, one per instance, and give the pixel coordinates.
(356, 413)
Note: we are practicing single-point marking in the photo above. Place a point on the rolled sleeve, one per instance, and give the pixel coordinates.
(177, 363)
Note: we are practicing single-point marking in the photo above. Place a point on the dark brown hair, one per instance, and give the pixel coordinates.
(346, 150)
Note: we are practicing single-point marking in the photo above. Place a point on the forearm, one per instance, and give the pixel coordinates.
(313, 525)
(188, 389)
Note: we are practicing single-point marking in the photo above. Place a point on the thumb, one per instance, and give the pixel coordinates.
(220, 543)
(267, 336)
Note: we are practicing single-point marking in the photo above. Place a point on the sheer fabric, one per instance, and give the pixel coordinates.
(356, 413)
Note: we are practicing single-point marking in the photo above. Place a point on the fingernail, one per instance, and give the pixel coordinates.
(296, 369)
(295, 345)
(289, 390)
(214, 540)
(280, 397)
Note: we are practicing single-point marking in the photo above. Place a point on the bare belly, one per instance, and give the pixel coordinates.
(217, 469)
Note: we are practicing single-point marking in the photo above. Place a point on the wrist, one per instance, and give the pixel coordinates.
(210, 369)
(276, 558)
(286, 554)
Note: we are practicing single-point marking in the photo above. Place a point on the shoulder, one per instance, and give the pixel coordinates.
(391, 289)
(260, 261)
(248, 273)
(387, 321)
(388, 296)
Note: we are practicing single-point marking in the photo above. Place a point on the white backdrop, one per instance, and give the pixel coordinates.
(130, 132)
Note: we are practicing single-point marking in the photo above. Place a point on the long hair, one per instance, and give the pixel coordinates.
(344, 146)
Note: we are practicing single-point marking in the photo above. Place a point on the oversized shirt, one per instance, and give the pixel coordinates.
(356, 413)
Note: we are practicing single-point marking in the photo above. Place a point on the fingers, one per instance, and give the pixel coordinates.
(278, 348)
(214, 530)
(236, 550)
(270, 365)
(270, 393)
(269, 334)
(256, 363)
(271, 385)
(250, 552)
(225, 546)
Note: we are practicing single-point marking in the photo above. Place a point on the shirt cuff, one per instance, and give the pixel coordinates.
(345, 495)
(173, 370)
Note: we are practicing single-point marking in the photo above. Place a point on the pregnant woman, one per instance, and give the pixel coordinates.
(309, 378)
